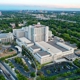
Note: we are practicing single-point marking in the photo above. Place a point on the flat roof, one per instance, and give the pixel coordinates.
(72, 45)
(64, 45)
(77, 52)
(58, 47)
(35, 47)
(25, 40)
(38, 25)
(3, 35)
(43, 53)
(47, 47)
(70, 56)
(60, 60)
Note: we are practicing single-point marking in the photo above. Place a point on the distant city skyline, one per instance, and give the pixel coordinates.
(39, 4)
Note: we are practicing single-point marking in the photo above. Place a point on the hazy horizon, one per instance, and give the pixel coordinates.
(73, 5)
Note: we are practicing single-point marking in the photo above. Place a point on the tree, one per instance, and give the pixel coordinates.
(78, 45)
(48, 71)
(33, 65)
(2, 77)
(32, 74)
(66, 36)
(26, 68)
(21, 77)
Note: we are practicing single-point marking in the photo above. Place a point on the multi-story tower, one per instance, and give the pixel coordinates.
(38, 33)
(35, 33)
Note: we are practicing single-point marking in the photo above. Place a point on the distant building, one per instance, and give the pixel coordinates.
(13, 25)
(41, 16)
(6, 37)
(63, 13)
(20, 24)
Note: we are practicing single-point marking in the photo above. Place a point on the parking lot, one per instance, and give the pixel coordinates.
(21, 69)
(57, 68)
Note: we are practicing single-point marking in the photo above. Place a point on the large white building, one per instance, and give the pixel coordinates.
(35, 33)
(39, 41)
(55, 49)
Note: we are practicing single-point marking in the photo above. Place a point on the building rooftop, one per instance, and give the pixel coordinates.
(72, 45)
(38, 25)
(71, 56)
(63, 45)
(35, 47)
(25, 40)
(47, 47)
(58, 47)
(77, 52)
(3, 35)
(42, 53)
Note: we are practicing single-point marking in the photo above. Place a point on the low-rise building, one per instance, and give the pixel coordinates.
(24, 41)
(6, 37)
(34, 49)
(43, 57)
(13, 25)
(20, 24)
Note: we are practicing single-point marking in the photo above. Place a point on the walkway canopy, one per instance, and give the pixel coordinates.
(19, 48)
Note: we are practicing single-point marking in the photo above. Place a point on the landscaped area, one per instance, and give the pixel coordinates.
(21, 67)
(8, 52)
(59, 71)
(77, 62)
(2, 77)
(19, 60)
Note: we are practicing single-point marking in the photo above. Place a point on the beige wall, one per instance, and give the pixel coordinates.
(46, 59)
(43, 60)
(5, 40)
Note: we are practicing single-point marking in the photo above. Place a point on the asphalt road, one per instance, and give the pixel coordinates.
(8, 74)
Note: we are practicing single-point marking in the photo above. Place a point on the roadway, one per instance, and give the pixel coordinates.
(8, 73)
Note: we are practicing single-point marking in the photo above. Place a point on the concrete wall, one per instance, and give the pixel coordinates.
(19, 43)
(63, 54)
(20, 34)
(46, 33)
(43, 60)
(6, 40)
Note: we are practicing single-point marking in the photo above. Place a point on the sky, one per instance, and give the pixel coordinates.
(4, 4)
